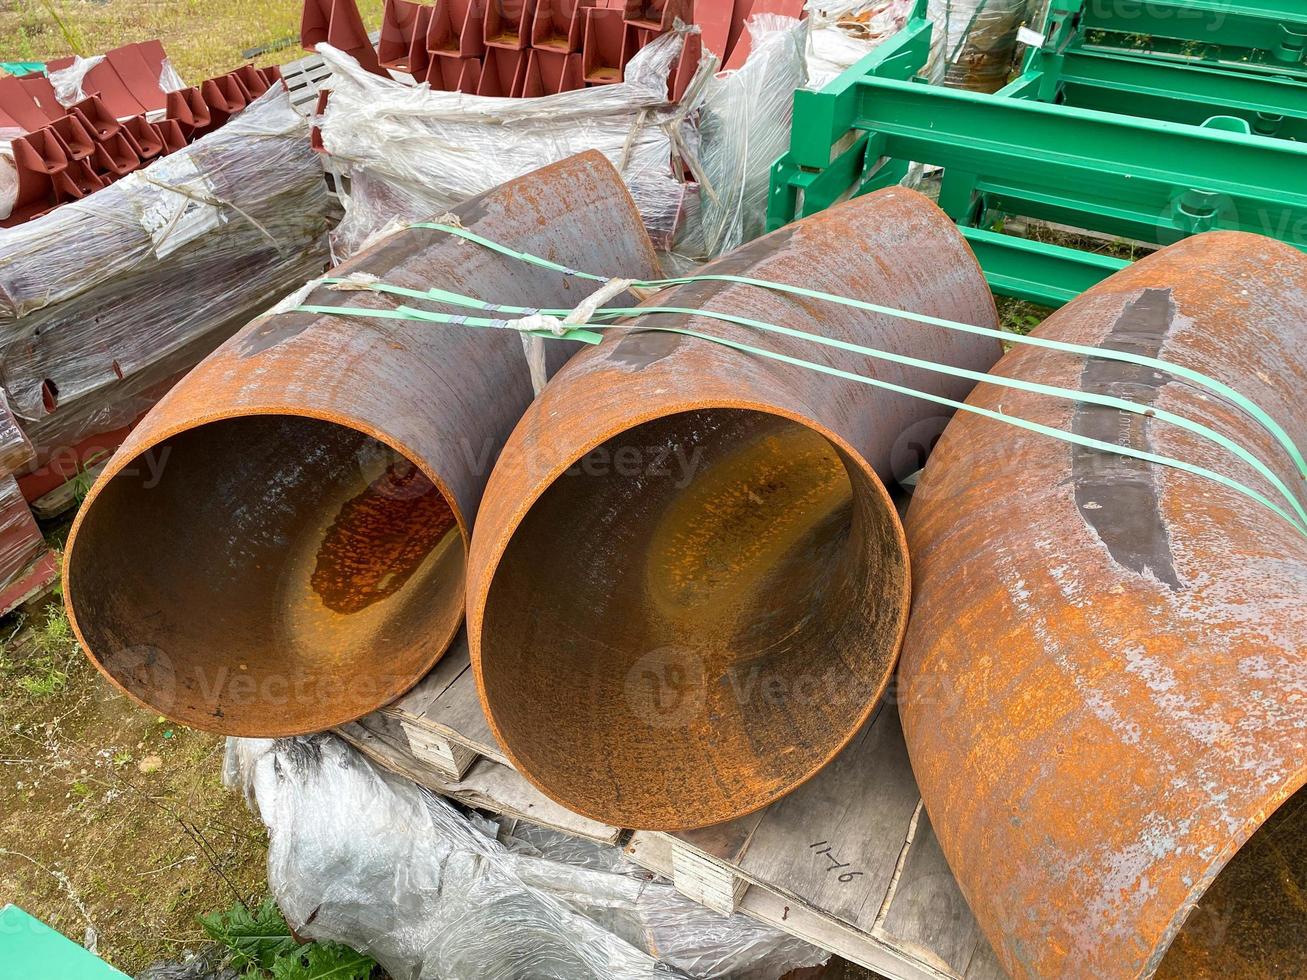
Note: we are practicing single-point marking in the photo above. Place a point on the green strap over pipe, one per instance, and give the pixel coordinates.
(589, 336)
(1105, 353)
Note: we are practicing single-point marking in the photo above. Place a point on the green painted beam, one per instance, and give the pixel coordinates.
(1274, 26)
(1183, 93)
(1086, 158)
(1038, 272)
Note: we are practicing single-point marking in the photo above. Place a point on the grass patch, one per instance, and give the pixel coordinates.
(110, 818)
(203, 37)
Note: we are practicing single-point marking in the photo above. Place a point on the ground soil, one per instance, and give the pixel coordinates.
(111, 818)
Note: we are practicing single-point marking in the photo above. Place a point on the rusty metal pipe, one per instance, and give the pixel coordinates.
(1103, 682)
(688, 584)
(280, 545)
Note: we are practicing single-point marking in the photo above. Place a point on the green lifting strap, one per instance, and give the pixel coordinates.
(1068, 394)
(411, 314)
(1105, 353)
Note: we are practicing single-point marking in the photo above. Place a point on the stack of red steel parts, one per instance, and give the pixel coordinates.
(124, 120)
(528, 48)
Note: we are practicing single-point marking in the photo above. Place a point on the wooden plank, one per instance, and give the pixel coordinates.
(486, 786)
(804, 923)
(834, 844)
(67, 495)
(651, 851)
(928, 915)
(446, 703)
(726, 842)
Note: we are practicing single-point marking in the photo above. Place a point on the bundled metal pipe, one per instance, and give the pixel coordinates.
(280, 545)
(1104, 687)
(688, 584)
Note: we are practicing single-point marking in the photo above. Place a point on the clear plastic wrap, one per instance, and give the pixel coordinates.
(441, 148)
(744, 125)
(21, 543)
(842, 32)
(980, 40)
(67, 82)
(104, 302)
(360, 856)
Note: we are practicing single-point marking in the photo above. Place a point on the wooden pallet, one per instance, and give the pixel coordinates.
(847, 862)
(304, 78)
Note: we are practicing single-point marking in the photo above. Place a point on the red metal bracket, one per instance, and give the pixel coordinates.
(115, 157)
(551, 72)
(77, 141)
(338, 23)
(509, 23)
(559, 25)
(504, 73)
(457, 29)
(399, 24)
(658, 15)
(189, 111)
(455, 75)
(604, 52)
(92, 113)
(145, 140)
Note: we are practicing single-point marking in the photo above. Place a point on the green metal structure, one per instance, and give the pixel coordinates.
(1100, 131)
(31, 950)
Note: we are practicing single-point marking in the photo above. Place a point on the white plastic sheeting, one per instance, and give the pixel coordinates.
(104, 302)
(441, 148)
(843, 32)
(980, 39)
(744, 125)
(360, 856)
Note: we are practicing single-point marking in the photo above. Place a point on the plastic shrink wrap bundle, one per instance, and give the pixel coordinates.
(362, 857)
(436, 149)
(980, 40)
(106, 302)
(744, 125)
(842, 32)
(26, 564)
(699, 170)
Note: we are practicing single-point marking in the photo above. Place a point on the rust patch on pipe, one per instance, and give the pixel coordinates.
(379, 538)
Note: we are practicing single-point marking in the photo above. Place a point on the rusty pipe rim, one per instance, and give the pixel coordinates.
(479, 602)
(119, 462)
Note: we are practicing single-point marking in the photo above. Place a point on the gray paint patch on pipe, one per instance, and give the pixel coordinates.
(1117, 495)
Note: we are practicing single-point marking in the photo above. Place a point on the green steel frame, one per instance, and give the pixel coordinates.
(1252, 35)
(1133, 147)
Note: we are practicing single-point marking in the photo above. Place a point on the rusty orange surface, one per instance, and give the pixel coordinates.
(1104, 689)
(688, 585)
(280, 545)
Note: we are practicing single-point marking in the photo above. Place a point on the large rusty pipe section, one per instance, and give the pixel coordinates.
(1103, 684)
(689, 585)
(280, 546)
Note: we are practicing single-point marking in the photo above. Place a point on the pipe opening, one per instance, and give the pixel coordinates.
(267, 574)
(694, 618)
(1252, 921)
